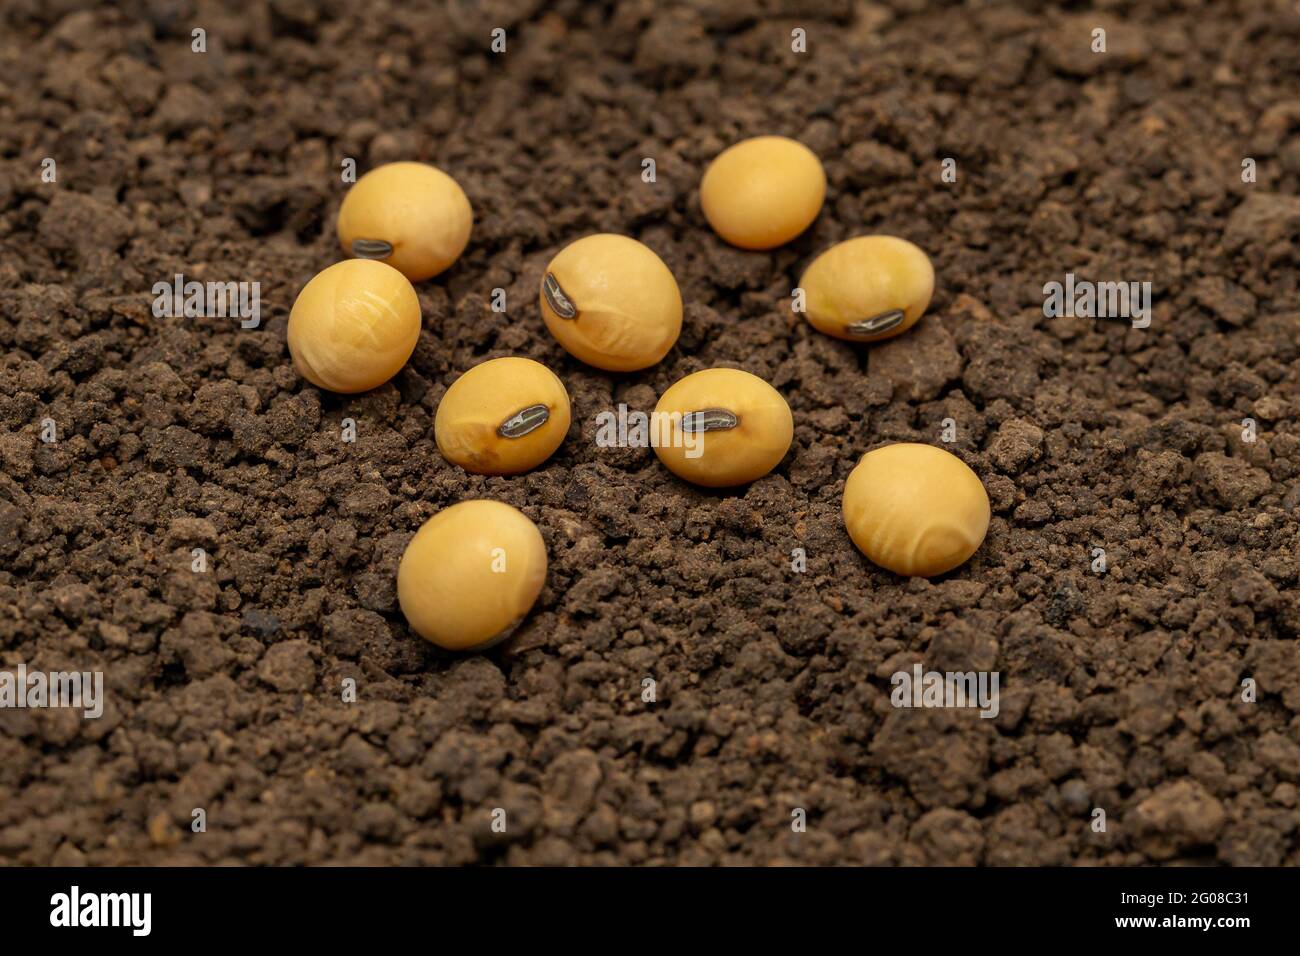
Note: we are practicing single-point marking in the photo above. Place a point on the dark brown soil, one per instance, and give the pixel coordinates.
(1120, 691)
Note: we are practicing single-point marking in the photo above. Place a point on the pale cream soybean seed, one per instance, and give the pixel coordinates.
(611, 302)
(502, 417)
(722, 427)
(760, 193)
(353, 326)
(915, 509)
(868, 288)
(471, 574)
(412, 216)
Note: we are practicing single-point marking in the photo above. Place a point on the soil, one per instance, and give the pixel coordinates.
(1120, 691)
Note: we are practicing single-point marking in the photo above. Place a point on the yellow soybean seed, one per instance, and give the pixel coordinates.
(612, 303)
(412, 216)
(502, 417)
(762, 192)
(868, 288)
(915, 509)
(353, 326)
(722, 427)
(471, 574)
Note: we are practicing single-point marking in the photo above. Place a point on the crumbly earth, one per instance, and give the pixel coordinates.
(1120, 692)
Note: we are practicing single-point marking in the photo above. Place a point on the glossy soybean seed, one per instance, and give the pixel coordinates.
(867, 289)
(763, 192)
(722, 427)
(915, 509)
(502, 417)
(612, 303)
(412, 216)
(353, 326)
(471, 574)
